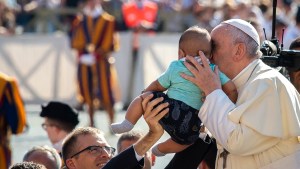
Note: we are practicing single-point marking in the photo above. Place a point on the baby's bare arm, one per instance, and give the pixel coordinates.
(230, 90)
(155, 86)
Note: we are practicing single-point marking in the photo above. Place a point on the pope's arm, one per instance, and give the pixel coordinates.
(225, 121)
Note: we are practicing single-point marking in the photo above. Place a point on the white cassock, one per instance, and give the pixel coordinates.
(261, 130)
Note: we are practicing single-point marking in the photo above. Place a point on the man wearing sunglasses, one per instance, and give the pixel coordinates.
(86, 147)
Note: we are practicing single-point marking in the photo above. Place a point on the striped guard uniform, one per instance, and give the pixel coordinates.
(12, 117)
(96, 80)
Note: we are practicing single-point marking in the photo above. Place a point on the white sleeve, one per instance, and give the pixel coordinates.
(214, 115)
(138, 157)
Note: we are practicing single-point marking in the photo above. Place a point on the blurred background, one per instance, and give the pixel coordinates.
(35, 48)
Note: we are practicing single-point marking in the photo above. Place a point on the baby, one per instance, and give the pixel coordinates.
(184, 98)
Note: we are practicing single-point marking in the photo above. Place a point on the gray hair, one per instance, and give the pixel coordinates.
(27, 165)
(252, 48)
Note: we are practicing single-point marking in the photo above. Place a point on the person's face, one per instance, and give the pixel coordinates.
(45, 158)
(295, 76)
(222, 48)
(125, 144)
(92, 3)
(89, 159)
(51, 130)
(292, 76)
(149, 158)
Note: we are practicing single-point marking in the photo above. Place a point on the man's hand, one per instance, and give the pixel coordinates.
(203, 77)
(151, 116)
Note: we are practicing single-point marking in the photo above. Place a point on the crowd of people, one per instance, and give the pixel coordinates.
(162, 15)
(224, 107)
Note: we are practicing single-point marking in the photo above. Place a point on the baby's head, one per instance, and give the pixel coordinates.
(192, 40)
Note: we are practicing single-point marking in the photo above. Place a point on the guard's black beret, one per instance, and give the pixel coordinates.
(60, 111)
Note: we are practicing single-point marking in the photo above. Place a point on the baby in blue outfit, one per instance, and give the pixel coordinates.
(184, 98)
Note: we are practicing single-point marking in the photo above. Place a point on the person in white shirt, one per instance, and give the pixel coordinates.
(261, 130)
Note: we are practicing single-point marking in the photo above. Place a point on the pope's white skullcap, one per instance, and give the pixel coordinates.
(244, 26)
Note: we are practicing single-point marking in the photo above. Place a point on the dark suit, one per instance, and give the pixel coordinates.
(191, 157)
(125, 160)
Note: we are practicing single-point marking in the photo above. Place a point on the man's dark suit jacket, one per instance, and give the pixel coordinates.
(191, 157)
(125, 160)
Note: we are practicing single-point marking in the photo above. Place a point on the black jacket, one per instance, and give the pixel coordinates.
(125, 160)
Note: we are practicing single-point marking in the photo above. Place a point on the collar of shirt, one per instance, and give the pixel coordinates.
(58, 146)
(245, 74)
(196, 57)
(97, 11)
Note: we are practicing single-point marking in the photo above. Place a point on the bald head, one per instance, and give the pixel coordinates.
(44, 155)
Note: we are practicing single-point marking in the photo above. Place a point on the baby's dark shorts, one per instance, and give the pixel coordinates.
(182, 122)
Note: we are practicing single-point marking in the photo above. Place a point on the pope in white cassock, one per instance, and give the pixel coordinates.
(261, 130)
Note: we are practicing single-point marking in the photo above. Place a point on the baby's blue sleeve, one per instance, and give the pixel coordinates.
(165, 78)
(224, 79)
